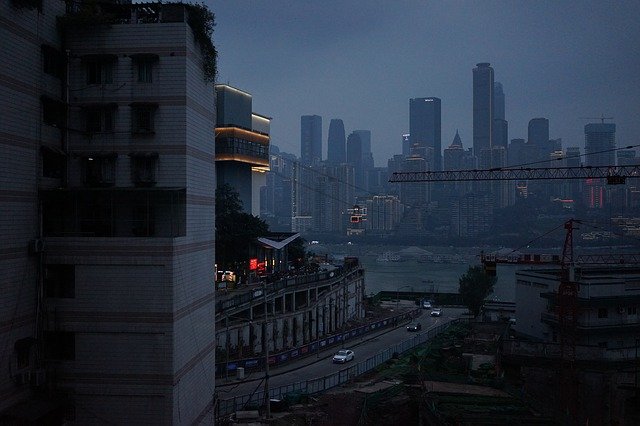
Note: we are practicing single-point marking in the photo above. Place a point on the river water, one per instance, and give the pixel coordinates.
(410, 273)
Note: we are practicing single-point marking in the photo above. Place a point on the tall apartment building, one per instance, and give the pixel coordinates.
(242, 146)
(599, 145)
(310, 139)
(336, 142)
(483, 83)
(425, 127)
(108, 182)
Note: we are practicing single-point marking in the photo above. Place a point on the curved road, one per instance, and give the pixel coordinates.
(313, 367)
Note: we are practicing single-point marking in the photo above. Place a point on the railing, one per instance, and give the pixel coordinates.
(226, 407)
(317, 278)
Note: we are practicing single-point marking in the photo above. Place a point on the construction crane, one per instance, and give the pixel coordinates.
(615, 175)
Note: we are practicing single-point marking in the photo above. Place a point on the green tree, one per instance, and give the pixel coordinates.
(474, 287)
(236, 231)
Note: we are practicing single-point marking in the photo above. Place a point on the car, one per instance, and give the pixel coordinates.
(426, 304)
(343, 355)
(436, 312)
(416, 326)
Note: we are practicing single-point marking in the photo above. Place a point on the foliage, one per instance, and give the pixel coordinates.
(236, 230)
(296, 252)
(202, 21)
(474, 287)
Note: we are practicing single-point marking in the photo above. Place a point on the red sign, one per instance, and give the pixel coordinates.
(253, 264)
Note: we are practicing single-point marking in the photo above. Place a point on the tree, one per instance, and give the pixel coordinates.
(475, 286)
(236, 231)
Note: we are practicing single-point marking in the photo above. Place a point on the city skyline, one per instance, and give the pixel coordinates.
(559, 61)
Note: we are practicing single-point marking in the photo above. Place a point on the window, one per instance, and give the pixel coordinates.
(143, 221)
(603, 313)
(60, 281)
(54, 112)
(22, 348)
(99, 68)
(142, 118)
(632, 310)
(603, 345)
(100, 171)
(145, 69)
(99, 119)
(53, 61)
(143, 169)
(60, 345)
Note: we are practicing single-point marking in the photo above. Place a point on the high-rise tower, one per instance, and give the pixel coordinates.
(600, 137)
(482, 112)
(310, 139)
(425, 127)
(336, 142)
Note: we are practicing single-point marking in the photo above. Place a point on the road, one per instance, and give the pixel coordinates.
(314, 367)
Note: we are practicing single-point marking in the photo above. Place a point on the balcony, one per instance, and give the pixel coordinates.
(245, 146)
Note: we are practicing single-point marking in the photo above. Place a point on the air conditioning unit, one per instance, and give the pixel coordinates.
(23, 378)
(38, 377)
(36, 246)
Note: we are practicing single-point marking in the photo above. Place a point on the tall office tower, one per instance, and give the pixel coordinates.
(425, 127)
(336, 142)
(599, 144)
(242, 146)
(538, 138)
(110, 314)
(394, 165)
(406, 144)
(355, 157)
(367, 156)
(482, 112)
(276, 205)
(573, 187)
(627, 157)
(498, 101)
(310, 139)
(501, 191)
(453, 159)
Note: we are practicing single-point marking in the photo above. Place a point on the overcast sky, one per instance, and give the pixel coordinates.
(362, 60)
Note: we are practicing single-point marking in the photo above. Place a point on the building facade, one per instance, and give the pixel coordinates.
(310, 139)
(425, 127)
(336, 142)
(483, 82)
(113, 177)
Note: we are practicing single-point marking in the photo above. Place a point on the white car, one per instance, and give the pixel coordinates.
(343, 355)
(426, 304)
(436, 312)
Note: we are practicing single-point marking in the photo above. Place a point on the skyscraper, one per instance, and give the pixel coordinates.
(538, 137)
(600, 137)
(406, 144)
(354, 157)
(425, 127)
(336, 142)
(310, 139)
(482, 112)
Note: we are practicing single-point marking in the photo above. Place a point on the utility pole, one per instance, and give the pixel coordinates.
(267, 398)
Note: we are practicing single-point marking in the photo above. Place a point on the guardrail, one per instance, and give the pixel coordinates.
(228, 406)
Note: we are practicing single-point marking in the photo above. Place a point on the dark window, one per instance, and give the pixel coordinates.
(142, 120)
(603, 313)
(603, 345)
(143, 170)
(60, 281)
(53, 61)
(99, 119)
(100, 171)
(53, 111)
(53, 163)
(145, 71)
(99, 71)
(60, 345)
(632, 310)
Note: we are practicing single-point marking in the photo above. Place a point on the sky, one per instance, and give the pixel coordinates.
(363, 60)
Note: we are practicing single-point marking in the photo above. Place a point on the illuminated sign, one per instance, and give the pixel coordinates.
(253, 264)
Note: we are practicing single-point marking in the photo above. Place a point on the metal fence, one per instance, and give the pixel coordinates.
(321, 384)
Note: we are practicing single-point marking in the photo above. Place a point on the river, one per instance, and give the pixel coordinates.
(409, 273)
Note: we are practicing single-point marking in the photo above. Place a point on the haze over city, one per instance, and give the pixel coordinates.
(362, 61)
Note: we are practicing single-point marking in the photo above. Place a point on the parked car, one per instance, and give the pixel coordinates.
(436, 312)
(416, 326)
(343, 355)
(426, 304)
